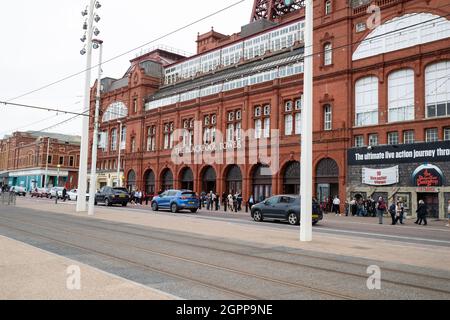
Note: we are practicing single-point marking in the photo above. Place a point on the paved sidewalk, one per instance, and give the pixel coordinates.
(420, 255)
(28, 273)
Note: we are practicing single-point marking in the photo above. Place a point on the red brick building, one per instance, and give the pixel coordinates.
(378, 80)
(31, 159)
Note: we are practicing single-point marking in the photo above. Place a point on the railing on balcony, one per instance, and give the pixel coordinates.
(360, 6)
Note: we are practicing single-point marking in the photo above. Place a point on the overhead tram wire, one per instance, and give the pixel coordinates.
(130, 51)
(204, 18)
(317, 53)
(41, 108)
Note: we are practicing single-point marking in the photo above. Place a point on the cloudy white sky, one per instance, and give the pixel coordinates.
(41, 44)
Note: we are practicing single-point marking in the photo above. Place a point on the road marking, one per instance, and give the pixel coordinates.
(383, 235)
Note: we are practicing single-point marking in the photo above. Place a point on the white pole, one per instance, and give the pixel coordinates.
(93, 184)
(84, 148)
(307, 130)
(46, 163)
(119, 183)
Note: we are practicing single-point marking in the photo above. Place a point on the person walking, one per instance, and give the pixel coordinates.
(422, 211)
(224, 201)
(64, 194)
(239, 201)
(250, 202)
(381, 209)
(336, 206)
(448, 214)
(393, 212)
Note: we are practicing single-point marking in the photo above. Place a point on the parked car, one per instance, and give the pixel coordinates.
(110, 196)
(40, 193)
(73, 195)
(285, 208)
(19, 191)
(56, 192)
(176, 200)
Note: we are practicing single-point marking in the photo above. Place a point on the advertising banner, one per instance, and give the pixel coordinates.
(380, 177)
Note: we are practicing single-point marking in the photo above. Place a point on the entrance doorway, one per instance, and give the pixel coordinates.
(432, 202)
(209, 178)
(166, 180)
(327, 182)
(149, 182)
(291, 179)
(262, 183)
(187, 179)
(234, 180)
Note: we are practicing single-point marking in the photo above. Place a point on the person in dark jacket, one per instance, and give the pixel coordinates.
(224, 201)
(422, 211)
(64, 194)
(392, 212)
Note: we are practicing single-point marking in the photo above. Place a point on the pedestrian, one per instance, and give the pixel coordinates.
(235, 203)
(239, 201)
(353, 207)
(139, 197)
(381, 209)
(400, 212)
(216, 201)
(251, 202)
(393, 213)
(64, 194)
(422, 211)
(336, 206)
(448, 214)
(224, 201)
(230, 202)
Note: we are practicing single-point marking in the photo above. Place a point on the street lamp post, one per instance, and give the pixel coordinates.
(46, 163)
(119, 182)
(307, 130)
(84, 148)
(93, 184)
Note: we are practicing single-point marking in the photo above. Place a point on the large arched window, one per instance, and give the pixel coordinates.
(115, 111)
(366, 101)
(403, 32)
(437, 89)
(401, 95)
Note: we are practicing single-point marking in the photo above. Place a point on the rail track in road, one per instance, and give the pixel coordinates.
(122, 229)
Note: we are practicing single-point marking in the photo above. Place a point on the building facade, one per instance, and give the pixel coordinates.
(381, 79)
(38, 159)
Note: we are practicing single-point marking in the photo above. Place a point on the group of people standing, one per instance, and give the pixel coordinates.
(229, 202)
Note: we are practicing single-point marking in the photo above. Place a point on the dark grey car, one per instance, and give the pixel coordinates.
(285, 208)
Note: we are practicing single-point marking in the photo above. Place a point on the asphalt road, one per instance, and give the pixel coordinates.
(191, 266)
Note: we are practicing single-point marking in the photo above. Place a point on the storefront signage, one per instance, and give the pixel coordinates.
(380, 177)
(218, 147)
(407, 153)
(428, 175)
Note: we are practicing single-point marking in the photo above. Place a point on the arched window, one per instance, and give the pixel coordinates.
(366, 101)
(327, 54)
(403, 32)
(401, 95)
(115, 111)
(437, 89)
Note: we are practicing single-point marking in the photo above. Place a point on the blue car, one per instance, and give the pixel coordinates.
(176, 200)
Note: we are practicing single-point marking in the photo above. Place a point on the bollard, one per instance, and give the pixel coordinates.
(246, 207)
(56, 199)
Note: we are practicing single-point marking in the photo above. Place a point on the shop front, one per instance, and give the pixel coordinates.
(407, 173)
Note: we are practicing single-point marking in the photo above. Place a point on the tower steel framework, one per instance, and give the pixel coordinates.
(272, 9)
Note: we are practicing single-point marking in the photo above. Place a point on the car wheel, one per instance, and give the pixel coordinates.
(257, 216)
(154, 206)
(315, 222)
(174, 208)
(194, 210)
(107, 203)
(124, 204)
(293, 219)
(95, 202)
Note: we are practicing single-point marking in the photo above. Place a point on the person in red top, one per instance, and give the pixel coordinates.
(381, 209)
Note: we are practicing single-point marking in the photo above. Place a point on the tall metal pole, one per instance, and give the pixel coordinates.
(93, 184)
(46, 163)
(84, 148)
(119, 182)
(307, 130)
